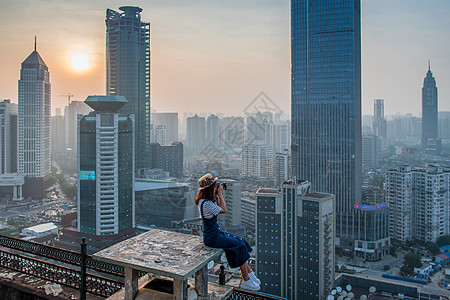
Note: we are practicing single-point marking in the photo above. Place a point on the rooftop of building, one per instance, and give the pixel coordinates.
(268, 191)
(34, 59)
(316, 195)
(42, 227)
(156, 184)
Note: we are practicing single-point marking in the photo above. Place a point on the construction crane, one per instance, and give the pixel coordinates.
(69, 95)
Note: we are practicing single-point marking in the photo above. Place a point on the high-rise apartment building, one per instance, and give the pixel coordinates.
(8, 137)
(281, 136)
(429, 109)
(71, 113)
(282, 167)
(232, 197)
(379, 125)
(213, 130)
(158, 135)
(418, 199)
(34, 139)
(326, 103)
(257, 160)
(105, 196)
(370, 151)
(170, 122)
(169, 158)
(196, 133)
(128, 72)
(295, 241)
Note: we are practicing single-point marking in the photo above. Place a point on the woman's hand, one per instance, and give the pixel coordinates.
(220, 189)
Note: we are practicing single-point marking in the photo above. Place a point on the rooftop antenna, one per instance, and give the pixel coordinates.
(34, 43)
(429, 69)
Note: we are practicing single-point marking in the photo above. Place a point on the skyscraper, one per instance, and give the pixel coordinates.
(71, 113)
(326, 103)
(196, 132)
(170, 122)
(34, 145)
(213, 130)
(429, 109)
(295, 241)
(8, 137)
(106, 172)
(379, 122)
(128, 71)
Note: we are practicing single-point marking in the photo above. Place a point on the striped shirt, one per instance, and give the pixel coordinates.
(210, 209)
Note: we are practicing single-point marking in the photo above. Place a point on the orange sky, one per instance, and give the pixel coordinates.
(216, 56)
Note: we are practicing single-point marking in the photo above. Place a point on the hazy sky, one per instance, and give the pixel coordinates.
(217, 56)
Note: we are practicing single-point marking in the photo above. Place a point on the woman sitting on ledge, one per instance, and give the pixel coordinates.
(210, 203)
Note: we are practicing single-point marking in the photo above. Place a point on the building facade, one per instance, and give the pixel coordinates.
(232, 197)
(213, 130)
(128, 71)
(8, 137)
(282, 168)
(379, 124)
(105, 197)
(257, 160)
(326, 103)
(429, 109)
(419, 203)
(295, 241)
(372, 224)
(169, 158)
(71, 112)
(196, 133)
(34, 138)
(370, 147)
(170, 122)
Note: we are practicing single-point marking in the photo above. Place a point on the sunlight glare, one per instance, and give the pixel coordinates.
(80, 61)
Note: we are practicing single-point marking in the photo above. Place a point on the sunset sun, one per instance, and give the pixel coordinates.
(80, 61)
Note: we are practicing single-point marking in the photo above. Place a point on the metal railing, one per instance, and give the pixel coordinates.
(239, 294)
(59, 254)
(95, 284)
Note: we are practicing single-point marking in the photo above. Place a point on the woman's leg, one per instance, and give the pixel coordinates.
(245, 271)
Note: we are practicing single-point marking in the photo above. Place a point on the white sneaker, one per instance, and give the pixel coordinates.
(249, 285)
(254, 278)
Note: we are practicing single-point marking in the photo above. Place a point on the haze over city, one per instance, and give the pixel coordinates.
(219, 52)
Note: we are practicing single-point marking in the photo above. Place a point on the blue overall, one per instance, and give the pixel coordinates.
(237, 250)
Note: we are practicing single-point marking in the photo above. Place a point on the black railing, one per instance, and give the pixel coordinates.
(95, 284)
(59, 254)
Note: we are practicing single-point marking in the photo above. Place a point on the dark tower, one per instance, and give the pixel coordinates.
(429, 109)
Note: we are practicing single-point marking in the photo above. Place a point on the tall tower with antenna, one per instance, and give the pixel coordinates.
(429, 110)
(34, 144)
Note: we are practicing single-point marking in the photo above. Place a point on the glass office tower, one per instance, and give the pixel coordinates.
(326, 103)
(128, 71)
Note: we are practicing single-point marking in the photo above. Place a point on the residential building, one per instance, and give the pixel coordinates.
(8, 137)
(282, 167)
(281, 136)
(34, 139)
(379, 128)
(59, 134)
(196, 133)
(170, 123)
(326, 104)
(419, 200)
(169, 158)
(295, 241)
(429, 109)
(105, 197)
(370, 148)
(257, 160)
(232, 197)
(213, 130)
(248, 209)
(128, 72)
(158, 134)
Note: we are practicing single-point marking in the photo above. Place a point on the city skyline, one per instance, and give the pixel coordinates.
(213, 51)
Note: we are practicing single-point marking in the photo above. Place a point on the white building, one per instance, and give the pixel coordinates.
(257, 160)
(34, 139)
(232, 197)
(40, 230)
(71, 113)
(419, 203)
(282, 167)
(213, 130)
(158, 134)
